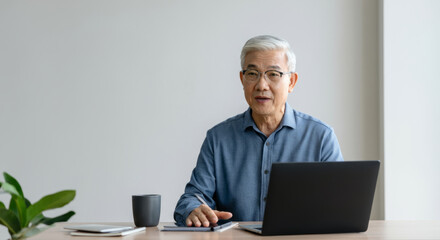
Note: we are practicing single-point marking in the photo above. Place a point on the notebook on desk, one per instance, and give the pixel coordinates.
(318, 197)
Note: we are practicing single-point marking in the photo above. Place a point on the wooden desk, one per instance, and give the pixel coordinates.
(376, 230)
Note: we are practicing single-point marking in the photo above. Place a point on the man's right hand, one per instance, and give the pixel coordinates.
(204, 216)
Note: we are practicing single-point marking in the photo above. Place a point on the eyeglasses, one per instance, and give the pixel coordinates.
(274, 76)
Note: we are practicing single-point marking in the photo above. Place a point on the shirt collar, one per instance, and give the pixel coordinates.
(288, 119)
(248, 120)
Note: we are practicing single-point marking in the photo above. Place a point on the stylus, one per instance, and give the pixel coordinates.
(200, 199)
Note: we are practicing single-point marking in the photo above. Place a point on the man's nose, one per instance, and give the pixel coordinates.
(262, 83)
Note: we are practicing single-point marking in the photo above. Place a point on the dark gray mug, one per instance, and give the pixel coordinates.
(146, 210)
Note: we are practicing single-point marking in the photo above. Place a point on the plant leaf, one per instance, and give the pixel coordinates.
(28, 232)
(9, 220)
(40, 217)
(28, 203)
(10, 188)
(62, 218)
(51, 201)
(34, 231)
(2, 205)
(18, 206)
(11, 180)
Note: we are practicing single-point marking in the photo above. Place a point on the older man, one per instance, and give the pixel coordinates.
(233, 167)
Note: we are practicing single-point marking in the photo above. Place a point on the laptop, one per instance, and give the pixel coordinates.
(318, 197)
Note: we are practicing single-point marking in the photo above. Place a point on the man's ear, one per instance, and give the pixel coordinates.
(293, 79)
(241, 78)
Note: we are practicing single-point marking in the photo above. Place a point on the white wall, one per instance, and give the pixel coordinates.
(412, 109)
(113, 98)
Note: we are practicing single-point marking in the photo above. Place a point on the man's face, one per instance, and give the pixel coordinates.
(267, 98)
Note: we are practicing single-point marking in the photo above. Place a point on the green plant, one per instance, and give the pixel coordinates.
(23, 217)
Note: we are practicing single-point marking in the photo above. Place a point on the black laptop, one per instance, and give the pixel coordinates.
(318, 197)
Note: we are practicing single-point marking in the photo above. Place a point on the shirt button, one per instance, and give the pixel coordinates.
(266, 171)
(267, 144)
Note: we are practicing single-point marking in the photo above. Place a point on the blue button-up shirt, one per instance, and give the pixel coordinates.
(233, 167)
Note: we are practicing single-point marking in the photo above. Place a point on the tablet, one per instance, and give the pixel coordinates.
(98, 228)
(220, 226)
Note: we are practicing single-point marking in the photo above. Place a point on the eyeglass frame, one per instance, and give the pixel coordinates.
(265, 76)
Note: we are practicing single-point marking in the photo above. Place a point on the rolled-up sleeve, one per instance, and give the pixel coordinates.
(202, 182)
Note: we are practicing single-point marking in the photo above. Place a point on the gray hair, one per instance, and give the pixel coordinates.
(267, 42)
